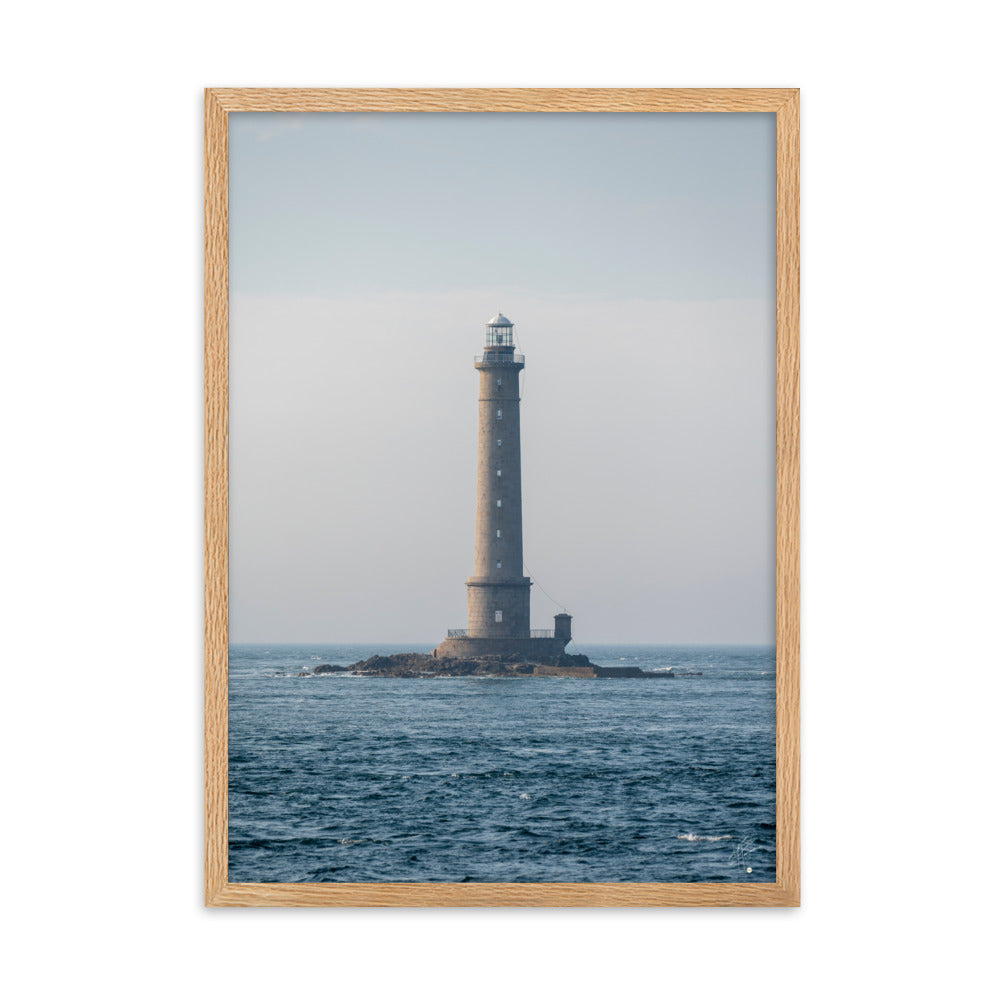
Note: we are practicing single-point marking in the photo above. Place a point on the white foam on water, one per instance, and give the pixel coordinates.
(524, 795)
(693, 837)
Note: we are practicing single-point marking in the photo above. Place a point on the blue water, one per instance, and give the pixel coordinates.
(355, 779)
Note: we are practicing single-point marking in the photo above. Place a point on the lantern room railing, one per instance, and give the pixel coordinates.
(536, 633)
(499, 358)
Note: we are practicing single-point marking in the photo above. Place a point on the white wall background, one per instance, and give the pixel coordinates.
(101, 504)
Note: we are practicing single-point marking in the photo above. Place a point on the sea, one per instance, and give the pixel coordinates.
(334, 778)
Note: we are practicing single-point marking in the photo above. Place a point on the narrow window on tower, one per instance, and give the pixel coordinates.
(499, 564)
(499, 442)
(499, 503)
(498, 616)
(498, 473)
(499, 381)
(498, 532)
(499, 413)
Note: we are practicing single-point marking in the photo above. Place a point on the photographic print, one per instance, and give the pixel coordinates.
(501, 526)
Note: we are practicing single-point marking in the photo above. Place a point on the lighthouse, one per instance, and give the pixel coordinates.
(499, 594)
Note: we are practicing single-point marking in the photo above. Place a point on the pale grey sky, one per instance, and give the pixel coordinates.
(635, 254)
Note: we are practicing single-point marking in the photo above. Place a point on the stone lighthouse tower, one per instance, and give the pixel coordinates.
(499, 594)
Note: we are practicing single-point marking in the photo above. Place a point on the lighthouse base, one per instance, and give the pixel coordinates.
(532, 650)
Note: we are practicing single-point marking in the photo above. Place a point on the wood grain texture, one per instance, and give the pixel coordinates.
(505, 894)
(216, 496)
(787, 496)
(503, 100)
(219, 103)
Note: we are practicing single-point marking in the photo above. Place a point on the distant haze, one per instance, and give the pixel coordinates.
(634, 253)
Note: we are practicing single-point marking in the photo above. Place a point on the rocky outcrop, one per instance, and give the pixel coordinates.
(422, 665)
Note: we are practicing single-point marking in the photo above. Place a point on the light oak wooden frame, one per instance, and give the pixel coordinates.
(784, 104)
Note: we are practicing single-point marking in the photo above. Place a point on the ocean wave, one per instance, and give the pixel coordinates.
(693, 837)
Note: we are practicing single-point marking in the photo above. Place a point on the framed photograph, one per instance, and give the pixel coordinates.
(501, 497)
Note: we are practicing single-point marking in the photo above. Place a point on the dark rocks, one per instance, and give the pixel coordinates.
(415, 665)
(625, 672)
(421, 666)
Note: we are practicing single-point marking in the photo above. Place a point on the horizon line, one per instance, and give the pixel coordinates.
(437, 642)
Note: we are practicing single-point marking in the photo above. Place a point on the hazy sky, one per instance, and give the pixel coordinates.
(635, 254)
